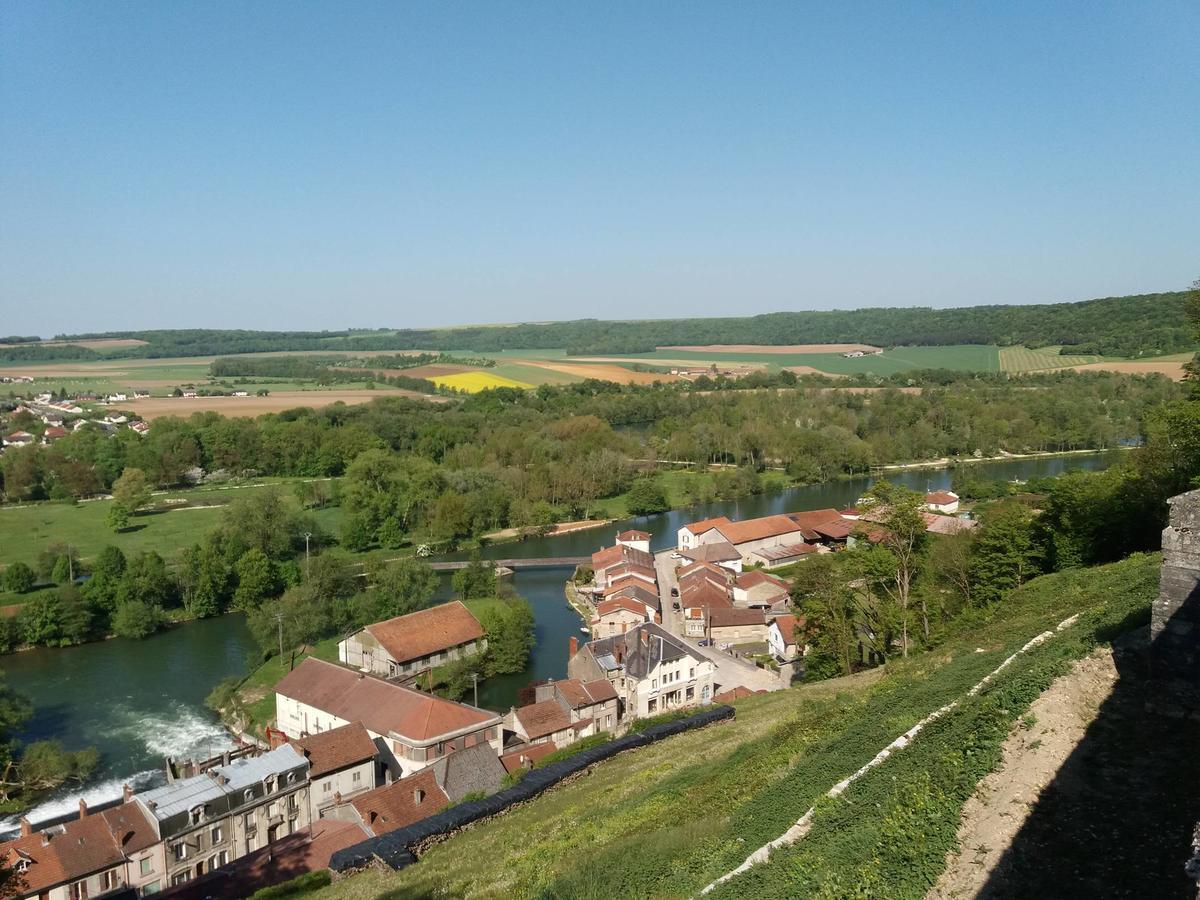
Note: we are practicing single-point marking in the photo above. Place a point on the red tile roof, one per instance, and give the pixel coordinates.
(698, 528)
(810, 518)
(381, 706)
(941, 497)
(427, 631)
(79, 847)
(784, 551)
(542, 719)
(752, 579)
(336, 749)
(402, 802)
(611, 556)
(632, 535)
(532, 753)
(579, 694)
(614, 604)
(758, 529)
(787, 627)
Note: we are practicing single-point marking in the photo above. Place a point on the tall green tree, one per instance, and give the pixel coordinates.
(131, 491)
(1004, 555)
(900, 512)
(257, 579)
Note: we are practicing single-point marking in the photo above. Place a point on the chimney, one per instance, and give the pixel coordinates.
(337, 798)
(82, 808)
(45, 839)
(26, 827)
(127, 792)
(225, 758)
(572, 646)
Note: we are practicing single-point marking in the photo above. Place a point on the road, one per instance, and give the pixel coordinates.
(728, 672)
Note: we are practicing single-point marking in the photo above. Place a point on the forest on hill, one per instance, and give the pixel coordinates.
(1133, 326)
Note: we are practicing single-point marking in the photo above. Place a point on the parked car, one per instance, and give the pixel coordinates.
(675, 555)
(675, 592)
(675, 606)
(704, 643)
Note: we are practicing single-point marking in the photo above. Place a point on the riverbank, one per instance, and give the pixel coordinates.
(508, 535)
(946, 462)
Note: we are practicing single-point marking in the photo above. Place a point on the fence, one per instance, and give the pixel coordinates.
(395, 849)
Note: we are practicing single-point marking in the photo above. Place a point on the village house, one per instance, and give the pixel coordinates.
(651, 671)
(411, 728)
(745, 537)
(141, 395)
(730, 625)
(565, 711)
(784, 555)
(410, 644)
(341, 765)
(95, 855)
(720, 553)
(452, 779)
(612, 557)
(18, 439)
(760, 591)
(228, 811)
(525, 756)
(823, 527)
(942, 502)
(703, 587)
(636, 540)
(616, 615)
(614, 575)
(53, 433)
(546, 722)
(781, 638)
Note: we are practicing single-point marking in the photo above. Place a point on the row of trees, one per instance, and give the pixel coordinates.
(1146, 324)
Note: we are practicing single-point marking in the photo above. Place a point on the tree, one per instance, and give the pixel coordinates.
(827, 608)
(137, 619)
(477, 579)
(256, 579)
(899, 511)
(205, 578)
(19, 578)
(646, 497)
(46, 765)
(509, 628)
(1004, 555)
(107, 569)
(146, 579)
(41, 618)
(117, 518)
(949, 562)
(400, 587)
(131, 491)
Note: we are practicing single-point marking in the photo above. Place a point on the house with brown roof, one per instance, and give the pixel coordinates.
(619, 614)
(745, 537)
(411, 728)
(762, 591)
(638, 540)
(730, 625)
(341, 764)
(95, 855)
(720, 553)
(451, 779)
(781, 637)
(545, 722)
(619, 555)
(525, 756)
(942, 502)
(702, 588)
(565, 711)
(407, 645)
(784, 554)
(689, 535)
(619, 573)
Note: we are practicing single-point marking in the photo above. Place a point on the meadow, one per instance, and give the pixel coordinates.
(667, 819)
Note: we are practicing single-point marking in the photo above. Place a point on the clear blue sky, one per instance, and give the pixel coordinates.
(304, 165)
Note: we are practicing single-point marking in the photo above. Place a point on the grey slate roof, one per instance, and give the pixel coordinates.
(642, 648)
(473, 770)
(211, 786)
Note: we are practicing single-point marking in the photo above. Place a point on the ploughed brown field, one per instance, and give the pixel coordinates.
(773, 348)
(1173, 369)
(592, 369)
(277, 401)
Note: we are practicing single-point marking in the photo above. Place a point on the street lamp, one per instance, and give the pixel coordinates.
(307, 537)
(475, 685)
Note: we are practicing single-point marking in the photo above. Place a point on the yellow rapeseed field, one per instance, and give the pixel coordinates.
(473, 382)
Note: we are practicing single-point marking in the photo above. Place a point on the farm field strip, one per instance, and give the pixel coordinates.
(476, 381)
(276, 401)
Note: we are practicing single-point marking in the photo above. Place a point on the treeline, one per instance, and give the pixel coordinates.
(880, 599)
(1140, 325)
(422, 473)
(310, 368)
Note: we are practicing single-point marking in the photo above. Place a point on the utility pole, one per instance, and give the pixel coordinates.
(475, 684)
(279, 622)
(307, 537)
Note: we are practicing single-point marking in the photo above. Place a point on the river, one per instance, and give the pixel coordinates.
(139, 701)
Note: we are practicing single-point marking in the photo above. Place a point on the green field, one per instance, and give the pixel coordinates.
(667, 819)
(1022, 359)
(28, 529)
(966, 357)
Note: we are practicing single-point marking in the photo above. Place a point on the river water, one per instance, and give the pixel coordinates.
(140, 701)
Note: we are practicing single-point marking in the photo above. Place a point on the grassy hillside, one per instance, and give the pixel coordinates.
(666, 820)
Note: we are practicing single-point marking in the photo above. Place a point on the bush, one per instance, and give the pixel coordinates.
(19, 578)
(137, 619)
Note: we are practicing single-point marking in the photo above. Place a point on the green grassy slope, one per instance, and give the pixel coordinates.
(666, 820)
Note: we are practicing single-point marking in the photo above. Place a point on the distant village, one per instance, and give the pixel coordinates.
(358, 750)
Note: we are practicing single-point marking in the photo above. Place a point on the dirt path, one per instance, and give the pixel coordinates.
(1035, 751)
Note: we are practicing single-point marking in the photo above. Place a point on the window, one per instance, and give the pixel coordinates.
(692, 672)
(180, 878)
(79, 890)
(197, 815)
(223, 858)
(216, 836)
(691, 693)
(152, 888)
(251, 825)
(291, 778)
(22, 865)
(654, 683)
(248, 795)
(356, 777)
(269, 783)
(179, 851)
(327, 787)
(146, 866)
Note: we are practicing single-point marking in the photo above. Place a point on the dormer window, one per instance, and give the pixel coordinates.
(22, 865)
(269, 784)
(418, 796)
(248, 795)
(197, 815)
(291, 778)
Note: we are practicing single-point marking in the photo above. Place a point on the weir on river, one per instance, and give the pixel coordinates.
(140, 701)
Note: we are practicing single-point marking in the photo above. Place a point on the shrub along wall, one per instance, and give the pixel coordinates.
(395, 848)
